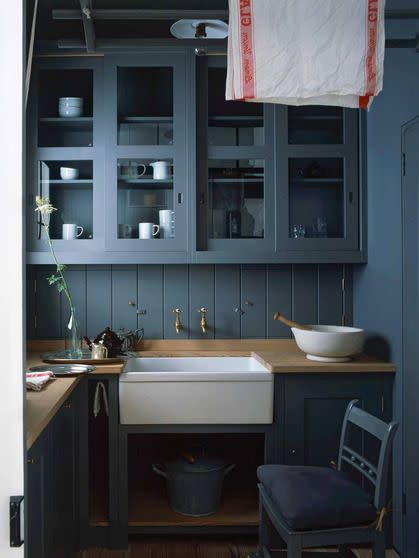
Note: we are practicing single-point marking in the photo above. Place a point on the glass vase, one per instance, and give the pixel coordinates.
(72, 336)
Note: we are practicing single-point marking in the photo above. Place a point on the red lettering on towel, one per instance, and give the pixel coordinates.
(246, 46)
(371, 53)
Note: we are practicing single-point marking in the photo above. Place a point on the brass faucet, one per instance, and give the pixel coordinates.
(203, 319)
(178, 323)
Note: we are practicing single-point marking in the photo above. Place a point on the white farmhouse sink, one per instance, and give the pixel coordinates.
(195, 390)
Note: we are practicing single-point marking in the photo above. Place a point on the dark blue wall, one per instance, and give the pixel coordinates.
(378, 285)
(241, 300)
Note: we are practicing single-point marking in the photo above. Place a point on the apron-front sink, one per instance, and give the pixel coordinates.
(195, 390)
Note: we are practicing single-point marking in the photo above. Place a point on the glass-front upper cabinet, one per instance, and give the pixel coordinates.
(317, 167)
(235, 212)
(65, 156)
(147, 121)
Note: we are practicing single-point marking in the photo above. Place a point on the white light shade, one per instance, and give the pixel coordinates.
(187, 29)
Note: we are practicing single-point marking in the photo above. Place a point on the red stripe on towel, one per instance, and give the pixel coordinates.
(246, 47)
(371, 52)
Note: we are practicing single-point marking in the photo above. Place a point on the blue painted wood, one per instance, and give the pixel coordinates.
(305, 294)
(76, 280)
(124, 298)
(279, 299)
(253, 301)
(176, 287)
(98, 298)
(47, 307)
(150, 300)
(330, 295)
(227, 302)
(201, 295)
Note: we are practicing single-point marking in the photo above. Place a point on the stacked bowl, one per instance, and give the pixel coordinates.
(70, 107)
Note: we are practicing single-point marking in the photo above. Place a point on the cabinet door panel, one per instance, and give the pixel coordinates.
(36, 543)
(314, 410)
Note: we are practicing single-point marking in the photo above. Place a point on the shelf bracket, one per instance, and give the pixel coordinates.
(88, 25)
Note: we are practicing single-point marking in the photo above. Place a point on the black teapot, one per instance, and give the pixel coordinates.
(109, 339)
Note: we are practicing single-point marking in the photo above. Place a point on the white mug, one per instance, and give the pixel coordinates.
(147, 230)
(161, 170)
(72, 231)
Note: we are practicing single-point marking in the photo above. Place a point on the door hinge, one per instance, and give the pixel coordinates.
(404, 503)
(404, 164)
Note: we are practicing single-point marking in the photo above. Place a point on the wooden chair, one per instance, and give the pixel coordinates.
(313, 507)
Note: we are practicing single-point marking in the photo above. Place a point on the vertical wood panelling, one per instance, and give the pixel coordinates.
(227, 301)
(99, 298)
(124, 297)
(145, 296)
(201, 295)
(305, 294)
(150, 300)
(330, 294)
(279, 299)
(48, 306)
(253, 301)
(176, 289)
(76, 280)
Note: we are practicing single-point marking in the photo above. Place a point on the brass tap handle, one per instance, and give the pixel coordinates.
(178, 323)
(203, 312)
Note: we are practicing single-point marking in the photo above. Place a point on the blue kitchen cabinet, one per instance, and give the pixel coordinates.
(216, 181)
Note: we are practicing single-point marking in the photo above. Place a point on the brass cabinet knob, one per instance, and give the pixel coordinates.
(30, 461)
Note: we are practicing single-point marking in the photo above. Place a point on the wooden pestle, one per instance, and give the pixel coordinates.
(290, 323)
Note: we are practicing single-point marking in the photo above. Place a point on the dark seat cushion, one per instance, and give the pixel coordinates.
(316, 497)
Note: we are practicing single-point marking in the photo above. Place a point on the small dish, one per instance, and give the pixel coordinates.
(69, 173)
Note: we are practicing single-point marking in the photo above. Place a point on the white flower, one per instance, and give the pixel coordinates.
(44, 206)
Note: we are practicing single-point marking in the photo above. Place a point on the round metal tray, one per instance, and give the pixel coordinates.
(64, 369)
(62, 357)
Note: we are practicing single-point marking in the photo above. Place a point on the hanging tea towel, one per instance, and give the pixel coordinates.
(306, 52)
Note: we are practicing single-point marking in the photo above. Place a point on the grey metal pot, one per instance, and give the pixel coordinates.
(194, 488)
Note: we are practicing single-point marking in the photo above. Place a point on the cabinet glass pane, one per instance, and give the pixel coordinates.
(231, 122)
(316, 198)
(65, 108)
(145, 197)
(315, 125)
(145, 106)
(236, 207)
(69, 186)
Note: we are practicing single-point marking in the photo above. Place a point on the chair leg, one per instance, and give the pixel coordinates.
(379, 545)
(294, 548)
(264, 530)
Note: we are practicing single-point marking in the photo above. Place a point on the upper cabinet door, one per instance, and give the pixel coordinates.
(235, 171)
(146, 167)
(317, 170)
(65, 156)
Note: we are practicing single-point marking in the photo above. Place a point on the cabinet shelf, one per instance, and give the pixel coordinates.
(146, 119)
(79, 182)
(315, 117)
(81, 122)
(234, 180)
(315, 181)
(235, 121)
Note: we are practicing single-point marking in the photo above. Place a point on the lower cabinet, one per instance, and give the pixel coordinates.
(313, 410)
(51, 506)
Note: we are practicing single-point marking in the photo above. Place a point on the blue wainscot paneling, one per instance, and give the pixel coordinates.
(240, 300)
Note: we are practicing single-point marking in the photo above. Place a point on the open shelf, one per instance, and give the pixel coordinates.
(149, 507)
(151, 119)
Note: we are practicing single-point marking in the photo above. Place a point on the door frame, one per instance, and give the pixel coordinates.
(408, 276)
(12, 56)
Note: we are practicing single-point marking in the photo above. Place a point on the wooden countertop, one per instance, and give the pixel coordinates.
(278, 355)
(41, 406)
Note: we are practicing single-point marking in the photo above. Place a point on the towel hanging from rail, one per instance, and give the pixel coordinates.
(300, 52)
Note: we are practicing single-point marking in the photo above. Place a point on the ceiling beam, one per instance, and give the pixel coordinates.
(88, 26)
(121, 15)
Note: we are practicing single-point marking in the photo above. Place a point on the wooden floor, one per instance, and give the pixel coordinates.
(193, 547)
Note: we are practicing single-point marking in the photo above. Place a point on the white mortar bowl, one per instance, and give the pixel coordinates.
(330, 343)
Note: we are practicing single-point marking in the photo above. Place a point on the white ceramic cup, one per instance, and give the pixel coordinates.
(69, 173)
(161, 170)
(147, 230)
(72, 231)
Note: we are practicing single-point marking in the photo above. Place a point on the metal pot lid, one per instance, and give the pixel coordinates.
(201, 464)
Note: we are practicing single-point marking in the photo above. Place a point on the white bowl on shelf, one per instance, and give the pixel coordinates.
(69, 173)
(70, 107)
(73, 101)
(330, 343)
